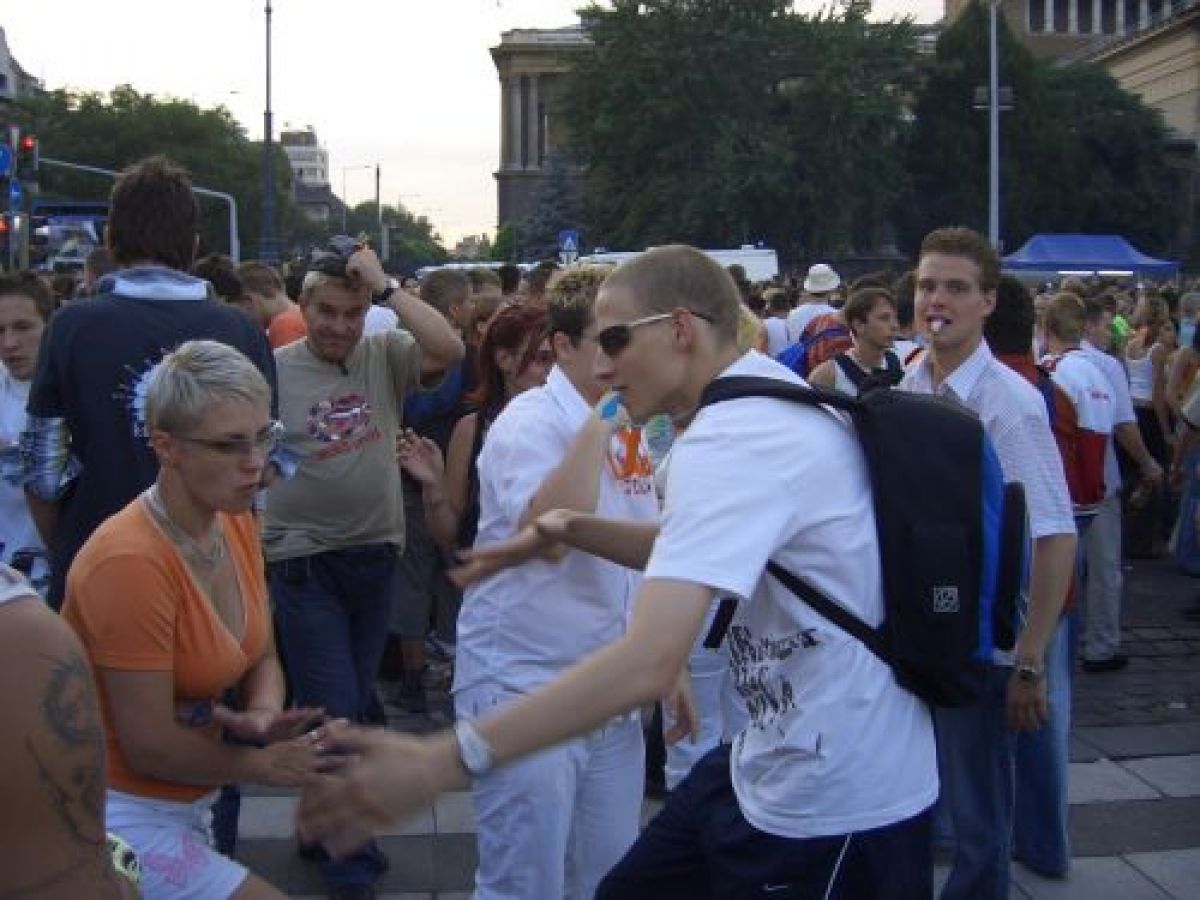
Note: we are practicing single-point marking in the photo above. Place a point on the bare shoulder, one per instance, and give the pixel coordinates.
(51, 761)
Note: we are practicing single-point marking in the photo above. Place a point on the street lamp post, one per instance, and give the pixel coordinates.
(268, 249)
(993, 130)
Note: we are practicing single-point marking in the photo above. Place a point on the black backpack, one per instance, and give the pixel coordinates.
(889, 374)
(952, 537)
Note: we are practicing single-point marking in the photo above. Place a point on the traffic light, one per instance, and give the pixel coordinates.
(26, 166)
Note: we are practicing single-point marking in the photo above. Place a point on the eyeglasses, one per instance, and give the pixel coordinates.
(263, 442)
(615, 338)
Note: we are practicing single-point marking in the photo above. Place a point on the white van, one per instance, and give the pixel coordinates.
(760, 263)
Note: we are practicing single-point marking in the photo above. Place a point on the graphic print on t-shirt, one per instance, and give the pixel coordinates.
(131, 393)
(753, 662)
(344, 423)
(630, 463)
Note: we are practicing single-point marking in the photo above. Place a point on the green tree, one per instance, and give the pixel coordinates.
(412, 241)
(1077, 153)
(506, 247)
(114, 130)
(718, 123)
(557, 207)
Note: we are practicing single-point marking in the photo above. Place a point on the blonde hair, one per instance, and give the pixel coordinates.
(195, 376)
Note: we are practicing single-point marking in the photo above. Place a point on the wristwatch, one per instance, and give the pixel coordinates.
(385, 295)
(1029, 673)
(473, 749)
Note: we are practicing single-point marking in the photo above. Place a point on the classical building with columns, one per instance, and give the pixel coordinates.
(1055, 28)
(530, 63)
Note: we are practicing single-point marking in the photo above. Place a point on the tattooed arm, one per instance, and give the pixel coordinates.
(51, 763)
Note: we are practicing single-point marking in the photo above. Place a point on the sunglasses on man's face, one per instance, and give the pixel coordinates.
(615, 338)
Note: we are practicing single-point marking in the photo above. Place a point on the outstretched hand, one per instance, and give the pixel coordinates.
(479, 563)
(376, 778)
(264, 726)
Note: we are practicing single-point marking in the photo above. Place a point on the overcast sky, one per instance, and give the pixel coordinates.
(405, 83)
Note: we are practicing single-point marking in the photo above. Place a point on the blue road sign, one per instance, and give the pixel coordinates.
(6, 160)
(16, 196)
(568, 241)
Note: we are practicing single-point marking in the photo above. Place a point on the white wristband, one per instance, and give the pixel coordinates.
(473, 749)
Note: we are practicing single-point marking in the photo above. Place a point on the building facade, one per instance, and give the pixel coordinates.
(530, 64)
(14, 81)
(309, 162)
(1056, 28)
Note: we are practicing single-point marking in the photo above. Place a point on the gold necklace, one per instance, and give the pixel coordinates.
(188, 545)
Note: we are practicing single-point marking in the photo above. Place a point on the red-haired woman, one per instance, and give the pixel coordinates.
(513, 357)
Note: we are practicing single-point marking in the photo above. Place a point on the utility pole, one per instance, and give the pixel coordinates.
(268, 246)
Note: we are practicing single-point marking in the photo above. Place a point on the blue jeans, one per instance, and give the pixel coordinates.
(333, 611)
(1040, 837)
(975, 765)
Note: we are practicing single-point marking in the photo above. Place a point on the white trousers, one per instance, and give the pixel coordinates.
(550, 826)
(1102, 597)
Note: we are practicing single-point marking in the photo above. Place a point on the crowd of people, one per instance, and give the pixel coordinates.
(248, 494)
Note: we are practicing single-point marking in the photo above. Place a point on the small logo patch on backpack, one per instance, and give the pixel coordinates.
(945, 599)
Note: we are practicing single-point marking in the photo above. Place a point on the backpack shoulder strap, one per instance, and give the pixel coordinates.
(892, 364)
(850, 369)
(734, 387)
(838, 615)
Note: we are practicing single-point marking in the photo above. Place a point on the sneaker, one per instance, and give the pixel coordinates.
(1114, 663)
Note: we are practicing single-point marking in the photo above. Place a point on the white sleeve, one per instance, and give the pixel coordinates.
(521, 451)
(1029, 455)
(723, 519)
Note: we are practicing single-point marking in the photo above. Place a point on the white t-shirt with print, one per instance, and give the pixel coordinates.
(833, 745)
(17, 531)
(520, 628)
(1118, 379)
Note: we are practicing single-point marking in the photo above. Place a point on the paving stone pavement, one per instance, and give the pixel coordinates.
(1134, 780)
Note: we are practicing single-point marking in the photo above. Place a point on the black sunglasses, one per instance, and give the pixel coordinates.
(615, 338)
(333, 259)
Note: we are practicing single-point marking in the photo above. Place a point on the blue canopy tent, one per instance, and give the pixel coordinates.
(1100, 253)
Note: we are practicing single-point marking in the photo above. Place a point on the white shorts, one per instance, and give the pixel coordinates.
(174, 842)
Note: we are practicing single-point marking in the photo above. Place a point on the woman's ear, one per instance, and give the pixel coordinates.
(164, 447)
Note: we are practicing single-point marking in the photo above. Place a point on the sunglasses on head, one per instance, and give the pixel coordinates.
(333, 259)
(615, 338)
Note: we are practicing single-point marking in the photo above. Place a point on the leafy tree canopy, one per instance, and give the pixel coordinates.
(115, 130)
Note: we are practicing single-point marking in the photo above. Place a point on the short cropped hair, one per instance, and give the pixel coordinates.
(904, 290)
(863, 301)
(480, 277)
(218, 270)
(510, 278)
(1065, 317)
(967, 243)
(444, 288)
(260, 278)
(571, 299)
(1009, 329)
(676, 275)
(32, 285)
(538, 278)
(193, 378)
(314, 280)
(153, 215)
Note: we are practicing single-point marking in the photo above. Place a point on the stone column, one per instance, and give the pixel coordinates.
(1097, 16)
(505, 127)
(531, 122)
(1120, 23)
(1047, 16)
(515, 116)
(1144, 13)
(1073, 16)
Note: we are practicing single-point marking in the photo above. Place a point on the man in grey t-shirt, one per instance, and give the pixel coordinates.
(331, 534)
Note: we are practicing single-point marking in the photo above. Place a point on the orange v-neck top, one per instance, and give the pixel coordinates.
(136, 608)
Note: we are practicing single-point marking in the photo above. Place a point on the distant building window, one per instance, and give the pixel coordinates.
(3, 82)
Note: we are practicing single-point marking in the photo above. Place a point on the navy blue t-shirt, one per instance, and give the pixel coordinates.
(91, 371)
